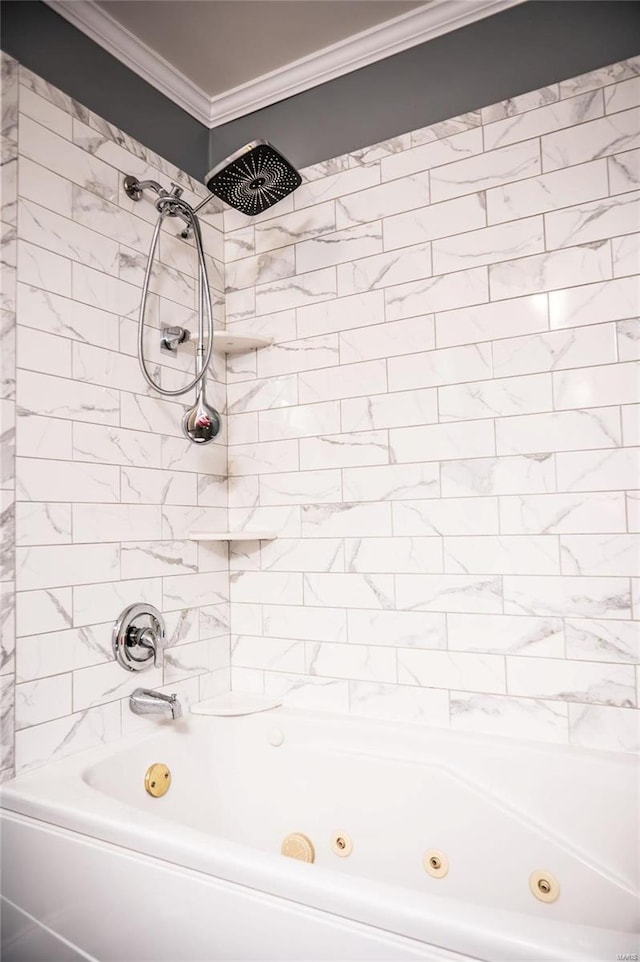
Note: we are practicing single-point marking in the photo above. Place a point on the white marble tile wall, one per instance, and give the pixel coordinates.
(445, 432)
(107, 489)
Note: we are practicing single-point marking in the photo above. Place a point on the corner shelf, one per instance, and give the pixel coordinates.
(225, 342)
(233, 536)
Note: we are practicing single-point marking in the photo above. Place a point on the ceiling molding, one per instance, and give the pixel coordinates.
(393, 36)
(431, 20)
(98, 25)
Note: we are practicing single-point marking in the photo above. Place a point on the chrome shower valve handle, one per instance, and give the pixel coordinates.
(138, 637)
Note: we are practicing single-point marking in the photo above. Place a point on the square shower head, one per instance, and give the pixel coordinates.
(254, 178)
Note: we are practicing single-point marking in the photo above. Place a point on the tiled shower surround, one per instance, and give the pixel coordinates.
(106, 486)
(443, 434)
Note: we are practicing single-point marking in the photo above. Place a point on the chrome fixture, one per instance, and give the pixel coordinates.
(138, 637)
(145, 701)
(171, 338)
(251, 180)
(254, 178)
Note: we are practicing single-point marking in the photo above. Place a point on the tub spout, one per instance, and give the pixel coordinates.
(144, 701)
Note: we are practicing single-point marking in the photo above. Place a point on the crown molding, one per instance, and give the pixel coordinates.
(100, 26)
(431, 20)
(408, 30)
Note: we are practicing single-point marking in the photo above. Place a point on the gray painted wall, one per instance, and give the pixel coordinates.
(523, 48)
(50, 46)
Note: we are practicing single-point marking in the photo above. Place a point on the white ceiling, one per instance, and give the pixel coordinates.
(220, 44)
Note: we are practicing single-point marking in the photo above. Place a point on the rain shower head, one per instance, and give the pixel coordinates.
(253, 178)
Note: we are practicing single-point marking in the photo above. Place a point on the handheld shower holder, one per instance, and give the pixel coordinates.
(171, 338)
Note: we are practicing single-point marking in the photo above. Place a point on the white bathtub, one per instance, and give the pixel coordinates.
(94, 867)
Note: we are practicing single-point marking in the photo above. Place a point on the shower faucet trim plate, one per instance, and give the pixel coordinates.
(138, 637)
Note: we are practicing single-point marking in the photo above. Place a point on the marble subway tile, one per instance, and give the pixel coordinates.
(59, 565)
(544, 119)
(67, 159)
(100, 602)
(594, 303)
(306, 289)
(345, 381)
(570, 597)
(343, 520)
(537, 719)
(335, 248)
(626, 255)
(561, 431)
(301, 554)
(602, 640)
(445, 219)
(384, 200)
(42, 700)
(402, 555)
(61, 737)
(386, 340)
(400, 409)
(590, 141)
(267, 457)
(304, 622)
(489, 245)
(442, 442)
(440, 293)
(43, 611)
(336, 185)
(622, 95)
(308, 692)
(8, 627)
(435, 153)
(296, 227)
(44, 228)
(446, 516)
(535, 195)
(572, 681)
(457, 670)
(526, 474)
(57, 315)
(193, 590)
(400, 629)
(42, 523)
(257, 587)
(302, 355)
(487, 170)
(179, 521)
(400, 703)
(597, 220)
(262, 269)
(40, 268)
(624, 171)
(307, 487)
(43, 437)
(61, 397)
(44, 480)
(113, 445)
(270, 654)
(149, 486)
(480, 594)
(355, 662)
(500, 397)
(385, 270)
(344, 450)
(357, 310)
(600, 554)
(349, 590)
(521, 315)
(445, 366)
(95, 523)
(391, 482)
(551, 271)
(506, 634)
(520, 104)
(601, 77)
(606, 384)
(153, 558)
(271, 392)
(562, 513)
(603, 727)
(555, 351)
(497, 554)
(43, 187)
(598, 470)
